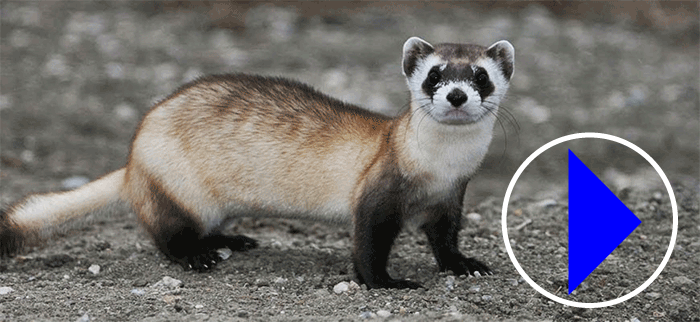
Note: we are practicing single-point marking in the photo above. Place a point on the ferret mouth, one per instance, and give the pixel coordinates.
(457, 117)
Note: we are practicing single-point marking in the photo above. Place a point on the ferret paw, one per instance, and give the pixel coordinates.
(241, 243)
(201, 262)
(468, 266)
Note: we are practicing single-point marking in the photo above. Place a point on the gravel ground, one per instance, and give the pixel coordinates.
(76, 77)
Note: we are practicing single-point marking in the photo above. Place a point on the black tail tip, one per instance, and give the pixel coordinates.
(11, 237)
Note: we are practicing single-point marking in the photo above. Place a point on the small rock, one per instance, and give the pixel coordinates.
(140, 283)
(171, 299)
(168, 282)
(367, 315)
(280, 280)
(682, 280)
(383, 313)
(547, 203)
(199, 306)
(84, 318)
(341, 287)
(474, 289)
(138, 292)
(354, 286)
(201, 317)
(474, 217)
(74, 182)
(6, 290)
(450, 283)
(653, 295)
(242, 314)
(94, 269)
(633, 319)
(658, 197)
(486, 298)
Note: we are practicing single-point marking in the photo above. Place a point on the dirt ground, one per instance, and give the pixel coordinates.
(76, 77)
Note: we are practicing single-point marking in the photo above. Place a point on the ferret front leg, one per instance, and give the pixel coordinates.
(442, 235)
(375, 231)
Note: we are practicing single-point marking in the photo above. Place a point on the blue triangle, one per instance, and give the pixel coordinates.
(598, 222)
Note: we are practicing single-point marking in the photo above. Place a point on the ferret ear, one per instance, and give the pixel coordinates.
(414, 49)
(504, 54)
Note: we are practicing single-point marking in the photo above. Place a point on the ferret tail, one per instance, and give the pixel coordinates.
(37, 218)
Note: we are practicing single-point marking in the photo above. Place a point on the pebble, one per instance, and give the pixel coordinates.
(94, 269)
(199, 306)
(682, 280)
(354, 286)
(280, 280)
(450, 283)
(138, 292)
(74, 182)
(653, 295)
(171, 299)
(6, 290)
(383, 313)
(168, 282)
(341, 287)
(367, 315)
(474, 217)
(547, 203)
(84, 318)
(474, 289)
(486, 298)
(633, 319)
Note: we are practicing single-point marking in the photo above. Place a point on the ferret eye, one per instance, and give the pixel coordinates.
(433, 77)
(482, 80)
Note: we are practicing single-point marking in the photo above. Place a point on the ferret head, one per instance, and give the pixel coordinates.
(457, 83)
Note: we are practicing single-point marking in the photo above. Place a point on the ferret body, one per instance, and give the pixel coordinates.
(238, 145)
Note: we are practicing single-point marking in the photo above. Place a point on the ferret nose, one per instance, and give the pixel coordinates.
(457, 97)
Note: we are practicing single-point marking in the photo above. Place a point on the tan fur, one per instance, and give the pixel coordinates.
(256, 154)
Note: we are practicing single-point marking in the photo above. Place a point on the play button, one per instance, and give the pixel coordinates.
(598, 221)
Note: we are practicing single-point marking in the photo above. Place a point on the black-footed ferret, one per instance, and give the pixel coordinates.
(240, 145)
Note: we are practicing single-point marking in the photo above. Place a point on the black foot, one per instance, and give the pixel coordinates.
(204, 256)
(387, 282)
(461, 265)
(199, 262)
(240, 243)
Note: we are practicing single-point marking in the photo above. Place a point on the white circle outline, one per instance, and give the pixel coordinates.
(593, 135)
